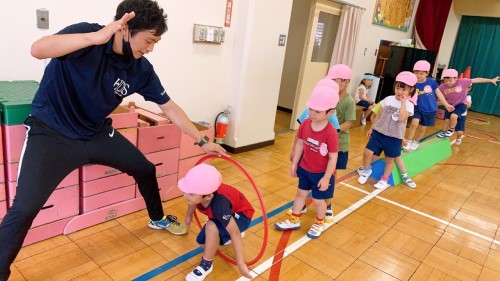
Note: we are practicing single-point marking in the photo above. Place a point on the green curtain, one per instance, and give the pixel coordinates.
(478, 45)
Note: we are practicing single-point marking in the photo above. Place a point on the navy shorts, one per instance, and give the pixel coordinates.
(309, 181)
(342, 160)
(426, 118)
(459, 110)
(379, 142)
(241, 220)
(461, 123)
(364, 103)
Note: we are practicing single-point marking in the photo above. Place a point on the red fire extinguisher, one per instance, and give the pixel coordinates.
(221, 123)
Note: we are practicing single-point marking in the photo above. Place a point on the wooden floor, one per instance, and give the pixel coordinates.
(445, 229)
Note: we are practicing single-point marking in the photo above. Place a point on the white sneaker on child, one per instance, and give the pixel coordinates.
(303, 211)
(414, 145)
(198, 273)
(382, 184)
(449, 133)
(458, 140)
(315, 231)
(409, 182)
(286, 225)
(365, 174)
(408, 145)
(329, 215)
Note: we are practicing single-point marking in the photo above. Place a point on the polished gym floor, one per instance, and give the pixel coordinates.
(445, 229)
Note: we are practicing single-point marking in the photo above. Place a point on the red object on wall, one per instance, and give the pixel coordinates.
(229, 11)
(430, 21)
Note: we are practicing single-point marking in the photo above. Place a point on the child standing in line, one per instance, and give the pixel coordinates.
(317, 149)
(361, 98)
(229, 214)
(455, 93)
(338, 77)
(426, 106)
(388, 132)
(398, 160)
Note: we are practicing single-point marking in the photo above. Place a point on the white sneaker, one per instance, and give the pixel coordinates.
(329, 215)
(414, 145)
(363, 121)
(408, 145)
(458, 140)
(303, 211)
(360, 170)
(382, 184)
(315, 231)
(286, 225)
(198, 273)
(364, 176)
(409, 182)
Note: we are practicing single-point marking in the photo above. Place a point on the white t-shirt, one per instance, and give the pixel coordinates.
(356, 95)
(388, 123)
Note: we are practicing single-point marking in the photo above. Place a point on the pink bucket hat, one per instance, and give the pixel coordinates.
(325, 82)
(341, 71)
(450, 72)
(202, 179)
(407, 77)
(323, 98)
(422, 65)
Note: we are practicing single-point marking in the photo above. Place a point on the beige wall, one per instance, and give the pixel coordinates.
(480, 8)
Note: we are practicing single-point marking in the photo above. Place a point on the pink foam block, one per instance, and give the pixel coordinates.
(3, 192)
(151, 117)
(156, 138)
(123, 117)
(1, 145)
(89, 188)
(189, 147)
(166, 161)
(13, 141)
(167, 187)
(107, 198)
(70, 179)
(142, 123)
(45, 231)
(104, 214)
(92, 172)
(186, 164)
(3, 209)
(2, 172)
(130, 134)
(63, 203)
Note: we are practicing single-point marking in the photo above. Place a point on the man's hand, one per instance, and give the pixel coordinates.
(102, 36)
(213, 148)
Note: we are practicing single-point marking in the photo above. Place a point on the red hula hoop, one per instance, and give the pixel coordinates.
(264, 214)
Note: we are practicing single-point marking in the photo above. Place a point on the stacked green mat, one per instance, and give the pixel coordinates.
(15, 100)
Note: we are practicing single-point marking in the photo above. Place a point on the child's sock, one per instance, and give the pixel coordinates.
(384, 178)
(329, 206)
(294, 218)
(206, 264)
(320, 222)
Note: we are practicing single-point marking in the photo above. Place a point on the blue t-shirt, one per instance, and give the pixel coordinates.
(427, 95)
(79, 90)
(332, 118)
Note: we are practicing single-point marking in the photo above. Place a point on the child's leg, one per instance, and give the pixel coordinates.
(411, 133)
(300, 199)
(389, 164)
(404, 175)
(453, 121)
(367, 157)
(320, 205)
(212, 238)
(365, 170)
(293, 221)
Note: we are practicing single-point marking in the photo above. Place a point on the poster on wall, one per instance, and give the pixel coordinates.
(395, 14)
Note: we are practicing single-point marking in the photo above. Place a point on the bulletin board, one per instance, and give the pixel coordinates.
(395, 14)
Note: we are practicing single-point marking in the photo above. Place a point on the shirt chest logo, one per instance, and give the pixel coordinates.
(120, 87)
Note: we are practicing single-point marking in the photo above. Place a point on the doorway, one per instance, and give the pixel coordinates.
(311, 37)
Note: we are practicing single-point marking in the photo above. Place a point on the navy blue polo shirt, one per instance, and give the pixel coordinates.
(79, 90)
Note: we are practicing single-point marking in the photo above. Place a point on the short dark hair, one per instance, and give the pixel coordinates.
(402, 85)
(148, 16)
